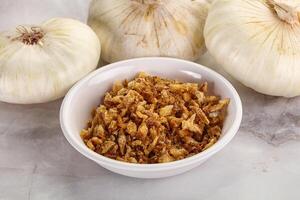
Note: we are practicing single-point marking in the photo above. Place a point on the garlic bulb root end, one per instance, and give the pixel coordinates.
(29, 36)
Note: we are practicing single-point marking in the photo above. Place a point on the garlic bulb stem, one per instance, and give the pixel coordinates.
(286, 10)
(148, 1)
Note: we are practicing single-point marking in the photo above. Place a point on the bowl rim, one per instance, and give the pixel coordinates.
(102, 160)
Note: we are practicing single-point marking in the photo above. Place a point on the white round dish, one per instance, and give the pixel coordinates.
(87, 93)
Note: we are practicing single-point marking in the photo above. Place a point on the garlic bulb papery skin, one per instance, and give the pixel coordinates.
(40, 63)
(138, 28)
(257, 42)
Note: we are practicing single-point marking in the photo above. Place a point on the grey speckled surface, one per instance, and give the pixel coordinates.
(36, 161)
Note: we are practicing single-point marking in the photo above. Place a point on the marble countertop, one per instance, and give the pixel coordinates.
(36, 161)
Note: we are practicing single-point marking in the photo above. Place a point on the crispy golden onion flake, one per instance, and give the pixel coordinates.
(155, 120)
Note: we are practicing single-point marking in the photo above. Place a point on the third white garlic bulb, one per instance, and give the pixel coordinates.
(257, 42)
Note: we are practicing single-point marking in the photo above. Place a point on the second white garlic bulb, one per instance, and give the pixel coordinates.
(136, 28)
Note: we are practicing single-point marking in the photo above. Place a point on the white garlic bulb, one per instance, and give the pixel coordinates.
(257, 42)
(40, 63)
(137, 28)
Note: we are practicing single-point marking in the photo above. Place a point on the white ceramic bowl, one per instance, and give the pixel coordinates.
(87, 93)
